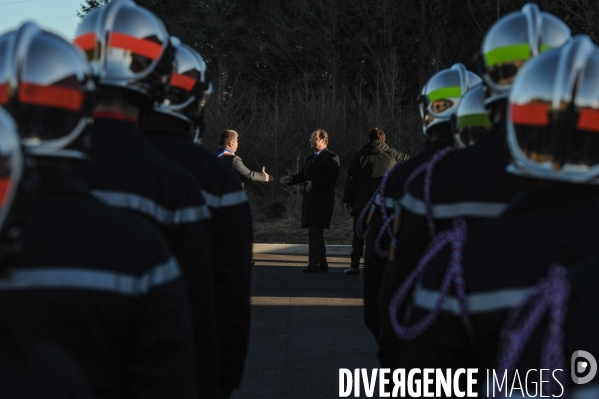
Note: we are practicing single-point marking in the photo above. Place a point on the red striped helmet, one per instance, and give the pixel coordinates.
(189, 87)
(46, 85)
(553, 115)
(128, 47)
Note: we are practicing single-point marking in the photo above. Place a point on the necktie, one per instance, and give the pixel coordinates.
(314, 158)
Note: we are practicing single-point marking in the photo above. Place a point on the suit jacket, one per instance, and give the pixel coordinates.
(318, 204)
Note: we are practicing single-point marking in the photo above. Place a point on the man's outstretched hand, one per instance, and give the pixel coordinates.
(268, 177)
(285, 179)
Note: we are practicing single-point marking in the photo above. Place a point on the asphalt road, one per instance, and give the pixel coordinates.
(305, 327)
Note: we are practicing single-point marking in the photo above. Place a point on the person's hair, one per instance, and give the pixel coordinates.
(226, 136)
(323, 135)
(376, 134)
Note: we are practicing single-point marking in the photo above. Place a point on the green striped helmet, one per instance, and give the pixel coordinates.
(471, 119)
(442, 93)
(512, 41)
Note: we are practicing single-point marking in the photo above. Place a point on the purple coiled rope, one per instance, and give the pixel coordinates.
(370, 204)
(549, 295)
(456, 238)
(428, 167)
(388, 219)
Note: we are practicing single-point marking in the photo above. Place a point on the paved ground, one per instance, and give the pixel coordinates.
(304, 328)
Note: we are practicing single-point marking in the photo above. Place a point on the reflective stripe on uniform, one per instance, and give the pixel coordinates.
(225, 200)
(448, 211)
(151, 208)
(93, 280)
(388, 201)
(478, 302)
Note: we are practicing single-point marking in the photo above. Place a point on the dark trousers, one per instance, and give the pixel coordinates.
(316, 249)
(357, 246)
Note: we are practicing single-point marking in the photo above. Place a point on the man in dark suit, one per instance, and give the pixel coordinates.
(319, 176)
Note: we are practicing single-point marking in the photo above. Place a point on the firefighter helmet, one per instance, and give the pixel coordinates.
(553, 115)
(442, 93)
(189, 87)
(128, 48)
(46, 85)
(471, 119)
(511, 42)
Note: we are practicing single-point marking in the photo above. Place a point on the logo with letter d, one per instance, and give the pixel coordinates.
(579, 366)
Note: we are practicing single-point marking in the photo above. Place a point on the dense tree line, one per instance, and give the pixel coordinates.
(284, 68)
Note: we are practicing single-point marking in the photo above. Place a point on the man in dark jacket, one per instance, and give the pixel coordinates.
(227, 146)
(366, 170)
(319, 176)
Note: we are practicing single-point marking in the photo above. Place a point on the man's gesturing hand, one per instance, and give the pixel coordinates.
(286, 179)
(268, 177)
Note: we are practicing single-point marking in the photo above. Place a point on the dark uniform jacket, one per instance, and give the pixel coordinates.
(374, 265)
(502, 259)
(33, 368)
(102, 284)
(472, 183)
(318, 204)
(366, 170)
(230, 232)
(126, 172)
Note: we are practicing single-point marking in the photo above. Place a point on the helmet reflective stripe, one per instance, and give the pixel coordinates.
(182, 81)
(588, 120)
(3, 94)
(471, 119)
(538, 115)
(447, 92)
(86, 41)
(144, 47)
(478, 120)
(530, 114)
(51, 96)
(516, 52)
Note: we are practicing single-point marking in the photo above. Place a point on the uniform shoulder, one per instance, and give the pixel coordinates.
(139, 242)
(108, 237)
